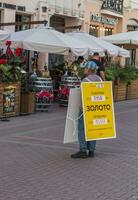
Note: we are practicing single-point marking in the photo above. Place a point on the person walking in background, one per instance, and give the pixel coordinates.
(101, 70)
(86, 148)
(79, 64)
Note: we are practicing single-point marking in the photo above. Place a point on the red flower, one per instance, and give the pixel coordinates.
(3, 61)
(9, 51)
(64, 91)
(18, 52)
(8, 43)
(45, 95)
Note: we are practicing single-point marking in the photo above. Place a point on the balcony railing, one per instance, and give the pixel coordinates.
(69, 11)
(113, 5)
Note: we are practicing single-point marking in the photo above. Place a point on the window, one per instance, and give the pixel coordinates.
(108, 31)
(44, 9)
(132, 59)
(94, 30)
(132, 28)
(22, 18)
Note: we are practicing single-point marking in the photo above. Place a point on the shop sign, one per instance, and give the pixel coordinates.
(104, 20)
(98, 110)
(9, 100)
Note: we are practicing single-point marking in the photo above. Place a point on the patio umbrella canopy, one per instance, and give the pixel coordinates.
(99, 45)
(123, 38)
(44, 39)
(3, 35)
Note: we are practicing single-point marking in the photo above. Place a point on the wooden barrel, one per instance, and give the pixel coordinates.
(67, 82)
(42, 88)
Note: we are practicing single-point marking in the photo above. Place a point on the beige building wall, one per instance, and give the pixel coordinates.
(66, 8)
(131, 4)
(127, 3)
(9, 1)
(130, 14)
(93, 7)
(8, 16)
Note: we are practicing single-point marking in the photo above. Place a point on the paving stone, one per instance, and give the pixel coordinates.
(36, 165)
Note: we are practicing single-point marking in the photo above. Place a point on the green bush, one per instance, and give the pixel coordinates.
(112, 73)
(4, 73)
(117, 73)
(10, 73)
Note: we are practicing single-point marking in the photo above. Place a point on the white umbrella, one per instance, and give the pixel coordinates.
(3, 35)
(123, 38)
(44, 39)
(96, 44)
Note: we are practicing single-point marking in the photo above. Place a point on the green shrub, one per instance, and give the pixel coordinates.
(117, 73)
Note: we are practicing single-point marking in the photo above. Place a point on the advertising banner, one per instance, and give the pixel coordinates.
(98, 110)
(9, 100)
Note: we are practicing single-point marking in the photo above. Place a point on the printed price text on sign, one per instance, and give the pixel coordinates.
(98, 110)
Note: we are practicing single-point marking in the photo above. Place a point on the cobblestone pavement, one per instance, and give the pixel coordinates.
(35, 165)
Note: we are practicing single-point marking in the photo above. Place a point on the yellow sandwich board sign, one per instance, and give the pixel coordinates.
(98, 109)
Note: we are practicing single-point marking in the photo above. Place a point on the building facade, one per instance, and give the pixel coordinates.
(97, 17)
(94, 16)
(103, 17)
(133, 4)
(130, 15)
(61, 14)
(109, 17)
(130, 23)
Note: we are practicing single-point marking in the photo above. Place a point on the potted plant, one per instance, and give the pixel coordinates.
(122, 78)
(27, 96)
(132, 86)
(11, 66)
(112, 73)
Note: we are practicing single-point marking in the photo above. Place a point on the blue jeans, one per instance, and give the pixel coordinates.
(84, 146)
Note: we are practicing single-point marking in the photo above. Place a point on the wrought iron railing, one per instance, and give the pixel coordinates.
(113, 5)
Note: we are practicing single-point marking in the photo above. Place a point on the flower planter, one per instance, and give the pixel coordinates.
(120, 91)
(10, 99)
(27, 103)
(132, 90)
